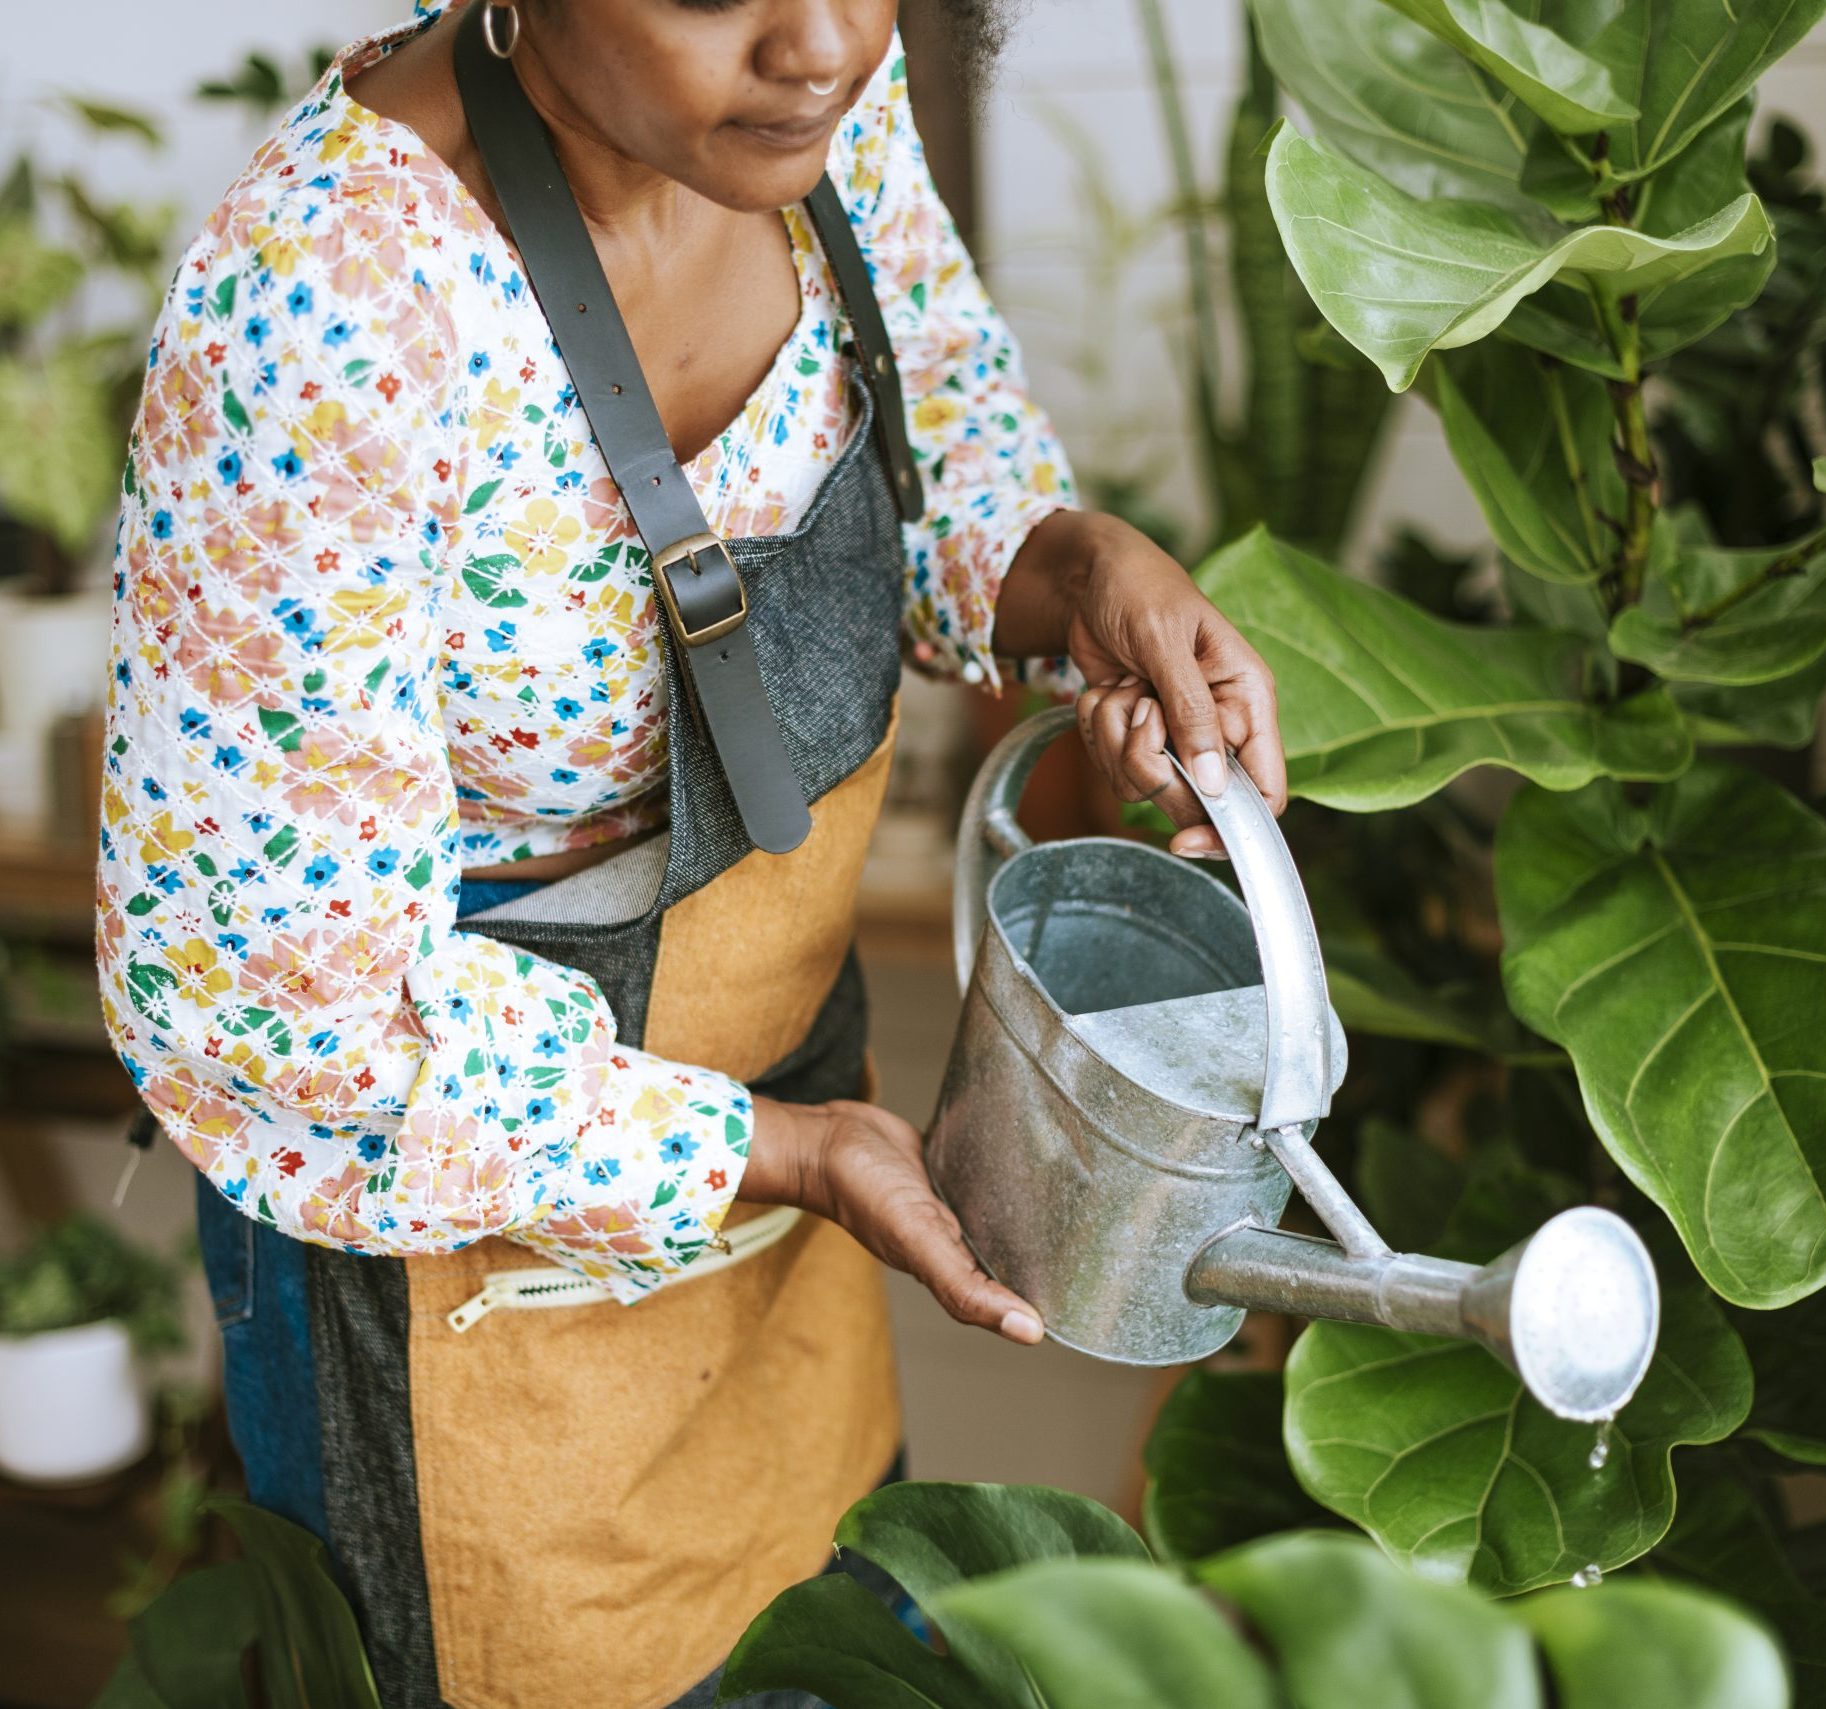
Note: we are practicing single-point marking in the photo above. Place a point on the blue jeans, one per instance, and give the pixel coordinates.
(269, 1380)
(262, 1304)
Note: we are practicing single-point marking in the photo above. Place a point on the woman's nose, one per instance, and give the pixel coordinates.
(812, 45)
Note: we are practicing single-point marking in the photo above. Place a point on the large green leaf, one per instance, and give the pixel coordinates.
(1504, 1199)
(1374, 994)
(1366, 1003)
(1569, 89)
(1680, 62)
(1788, 1354)
(1577, 607)
(1558, 319)
(1679, 954)
(1216, 1472)
(1382, 704)
(1780, 714)
(932, 1536)
(1111, 1635)
(1394, 97)
(1776, 627)
(128, 1688)
(310, 1647)
(1533, 442)
(1655, 1643)
(189, 1643)
(1400, 276)
(1731, 1538)
(1348, 1626)
(1407, 1187)
(1437, 1451)
(831, 1637)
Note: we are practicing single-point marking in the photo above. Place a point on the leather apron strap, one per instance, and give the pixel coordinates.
(694, 576)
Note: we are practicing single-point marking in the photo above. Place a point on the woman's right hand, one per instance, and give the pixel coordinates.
(863, 1168)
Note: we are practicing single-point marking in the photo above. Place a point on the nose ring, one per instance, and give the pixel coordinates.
(829, 88)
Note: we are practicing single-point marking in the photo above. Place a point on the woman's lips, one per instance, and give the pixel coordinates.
(792, 134)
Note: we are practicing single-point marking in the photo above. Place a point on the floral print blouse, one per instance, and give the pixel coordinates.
(381, 615)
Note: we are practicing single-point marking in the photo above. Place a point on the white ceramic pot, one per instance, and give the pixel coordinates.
(73, 1405)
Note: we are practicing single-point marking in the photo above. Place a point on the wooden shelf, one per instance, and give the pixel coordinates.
(46, 889)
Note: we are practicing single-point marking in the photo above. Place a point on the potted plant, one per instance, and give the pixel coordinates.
(70, 371)
(80, 280)
(79, 1307)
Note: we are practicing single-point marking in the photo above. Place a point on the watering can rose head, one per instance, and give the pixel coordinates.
(1139, 1069)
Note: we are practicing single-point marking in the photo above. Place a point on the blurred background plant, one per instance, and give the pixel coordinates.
(82, 1270)
(81, 275)
(261, 85)
(80, 278)
(1291, 440)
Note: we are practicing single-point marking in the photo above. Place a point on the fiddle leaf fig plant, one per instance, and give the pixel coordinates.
(1539, 214)
(1047, 1601)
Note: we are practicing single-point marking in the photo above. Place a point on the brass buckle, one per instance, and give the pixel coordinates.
(681, 551)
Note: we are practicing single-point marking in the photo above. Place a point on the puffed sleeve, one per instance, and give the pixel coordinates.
(992, 465)
(280, 966)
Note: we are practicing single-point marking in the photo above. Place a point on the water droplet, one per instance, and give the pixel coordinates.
(1588, 1576)
(1600, 1448)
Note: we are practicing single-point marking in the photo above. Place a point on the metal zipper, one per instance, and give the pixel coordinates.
(549, 1285)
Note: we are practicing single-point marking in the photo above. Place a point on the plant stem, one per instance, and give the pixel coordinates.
(1201, 274)
(1575, 464)
(1635, 455)
(1790, 563)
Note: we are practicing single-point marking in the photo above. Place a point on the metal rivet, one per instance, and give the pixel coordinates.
(906, 477)
(656, 483)
(616, 390)
(881, 362)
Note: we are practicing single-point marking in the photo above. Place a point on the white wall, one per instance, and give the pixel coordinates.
(1085, 57)
(149, 54)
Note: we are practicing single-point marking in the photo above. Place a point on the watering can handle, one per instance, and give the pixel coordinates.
(1297, 1085)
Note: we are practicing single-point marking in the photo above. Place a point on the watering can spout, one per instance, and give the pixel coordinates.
(1573, 1310)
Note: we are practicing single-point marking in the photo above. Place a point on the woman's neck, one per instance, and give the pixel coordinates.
(628, 205)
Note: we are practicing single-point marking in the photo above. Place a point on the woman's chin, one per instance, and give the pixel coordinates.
(754, 175)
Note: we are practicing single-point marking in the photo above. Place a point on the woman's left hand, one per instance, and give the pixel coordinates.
(1160, 661)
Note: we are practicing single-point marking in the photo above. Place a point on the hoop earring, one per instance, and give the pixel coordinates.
(829, 88)
(489, 13)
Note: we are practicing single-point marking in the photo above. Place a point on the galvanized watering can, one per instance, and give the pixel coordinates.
(1131, 1099)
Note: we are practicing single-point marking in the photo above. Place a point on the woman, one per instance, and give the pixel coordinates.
(417, 561)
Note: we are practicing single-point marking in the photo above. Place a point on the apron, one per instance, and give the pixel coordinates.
(586, 1506)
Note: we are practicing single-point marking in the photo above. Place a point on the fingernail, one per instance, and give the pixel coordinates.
(1128, 682)
(1209, 773)
(1140, 715)
(1022, 1326)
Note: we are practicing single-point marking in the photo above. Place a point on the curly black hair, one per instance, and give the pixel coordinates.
(981, 32)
